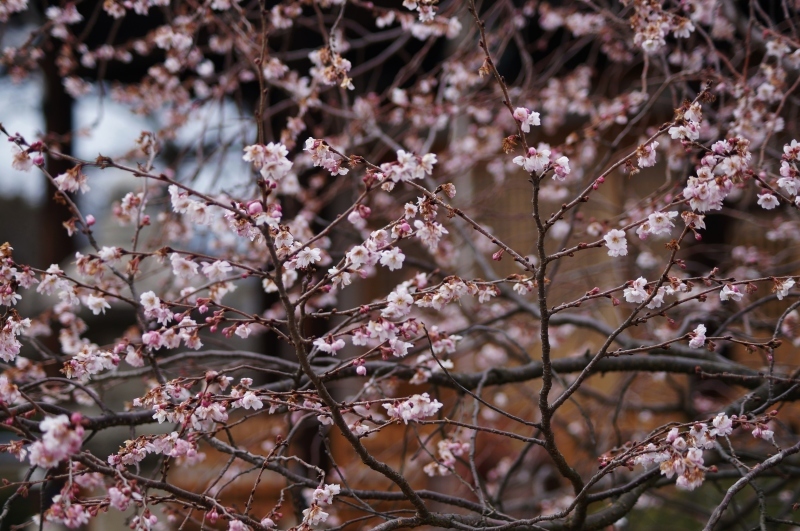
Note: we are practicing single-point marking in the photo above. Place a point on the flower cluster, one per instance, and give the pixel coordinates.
(269, 160)
(408, 167)
(169, 445)
(657, 223)
(727, 161)
(322, 497)
(330, 68)
(322, 156)
(13, 327)
(639, 291)
(341, 269)
(447, 450)
(681, 454)
(62, 437)
(414, 408)
(652, 25)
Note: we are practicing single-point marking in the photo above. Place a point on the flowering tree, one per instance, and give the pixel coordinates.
(305, 325)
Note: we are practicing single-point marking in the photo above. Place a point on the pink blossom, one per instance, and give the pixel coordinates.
(72, 181)
(59, 440)
(152, 340)
(526, 118)
(782, 287)
(21, 160)
(9, 393)
(183, 268)
(767, 201)
(329, 345)
(534, 161)
(217, 270)
(97, 303)
(698, 337)
(561, 168)
(723, 425)
(314, 515)
(730, 291)
(270, 160)
(149, 301)
(415, 408)
(308, 256)
(660, 222)
(325, 494)
(762, 432)
(689, 131)
(392, 258)
(636, 293)
(616, 242)
(118, 499)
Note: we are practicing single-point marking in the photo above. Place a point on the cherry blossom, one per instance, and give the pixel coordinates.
(534, 160)
(22, 160)
(561, 168)
(761, 432)
(698, 337)
(270, 160)
(60, 439)
(97, 304)
(729, 292)
(722, 425)
(72, 180)
(284, 254)
(647, 155)
(308, 256)
(616, 243)
(329, 345)
(636, 292)
(217, 270)
(526, 118)
(415, 408)
(767, 201)
(392, 258)
(782, 287)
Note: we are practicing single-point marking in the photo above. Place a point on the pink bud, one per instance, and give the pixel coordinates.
(498, 255)
(255, 207)
(364, 211)
(145, 220)
(90, 220)
(361, 370)
(212, 516)
(601, 180)
(38, 160)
